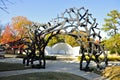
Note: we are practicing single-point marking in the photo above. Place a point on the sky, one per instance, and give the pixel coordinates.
(43, 11)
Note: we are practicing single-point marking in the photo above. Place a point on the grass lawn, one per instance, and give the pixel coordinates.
(44, 76)
(11, 66)
(35, 76)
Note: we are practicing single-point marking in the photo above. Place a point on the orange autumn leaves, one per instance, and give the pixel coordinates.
(19, 24)
(7, 35)
(15, 30)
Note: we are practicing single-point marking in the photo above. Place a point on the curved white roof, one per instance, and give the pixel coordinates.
(48, 50)
(62, 48)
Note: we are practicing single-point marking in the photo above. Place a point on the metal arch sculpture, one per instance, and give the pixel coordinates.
(37, 44)
(73, 19)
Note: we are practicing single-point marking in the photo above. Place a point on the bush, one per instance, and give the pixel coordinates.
(113, 58)
(50, 57)
(110, 58)
(113, 51)
(87, 57)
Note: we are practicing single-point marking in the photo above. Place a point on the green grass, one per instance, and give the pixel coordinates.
(11, 66)
(35, 76)
(44, 76)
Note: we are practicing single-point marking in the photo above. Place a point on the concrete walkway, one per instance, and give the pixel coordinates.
(53, 66)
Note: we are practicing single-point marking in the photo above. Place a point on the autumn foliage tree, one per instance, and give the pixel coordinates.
(19, 24)
(7, 35)
(13, 33)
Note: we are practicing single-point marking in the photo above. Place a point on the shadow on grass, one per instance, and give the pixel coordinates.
(11, 66)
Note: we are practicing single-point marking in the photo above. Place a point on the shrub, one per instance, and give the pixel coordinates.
(50, 57)
(110, 58)
(87, 57)
(113, 58)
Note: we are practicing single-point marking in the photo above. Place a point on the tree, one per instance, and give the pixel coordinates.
(19, 24)
(7, 35)
(112, 24)
(10, 40)
(63, 38)
(53, 41)
(71, 40)
(113, 44)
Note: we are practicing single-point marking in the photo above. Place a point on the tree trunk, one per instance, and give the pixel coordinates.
(116, 52)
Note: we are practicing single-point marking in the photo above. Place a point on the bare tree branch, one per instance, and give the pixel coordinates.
(3, 5)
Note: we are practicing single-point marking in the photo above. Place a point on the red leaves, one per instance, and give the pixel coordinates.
(7, 35)
(15, 31)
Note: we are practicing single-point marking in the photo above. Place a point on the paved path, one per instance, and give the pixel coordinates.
(54, 66)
